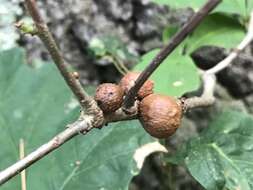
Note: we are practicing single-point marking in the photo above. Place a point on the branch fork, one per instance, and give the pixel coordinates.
(91, 115)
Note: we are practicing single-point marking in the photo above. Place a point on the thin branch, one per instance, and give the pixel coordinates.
(207, 98)
(235, 52)
(53, 144)
(82, 126)
(46, 37)
(174, 42)
(21, 156)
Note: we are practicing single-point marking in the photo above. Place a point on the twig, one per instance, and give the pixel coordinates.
(21, 156)
(231, 57)
(174, 42)
(207, 98)
(82, 126)
(46, 37)
(71, 131)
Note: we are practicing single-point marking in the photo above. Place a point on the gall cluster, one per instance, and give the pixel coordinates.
(159, 115)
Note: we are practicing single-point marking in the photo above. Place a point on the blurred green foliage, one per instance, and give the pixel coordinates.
(110, 49)
(35, 105)
(221, 157)
(240, 7)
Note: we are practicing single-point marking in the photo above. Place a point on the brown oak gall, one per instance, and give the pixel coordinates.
(160, 115)
(128, 82)
(109, 97)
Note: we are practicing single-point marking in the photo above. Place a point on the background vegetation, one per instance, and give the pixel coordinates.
(102, 39)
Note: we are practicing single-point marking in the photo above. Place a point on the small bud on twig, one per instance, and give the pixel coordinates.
(26, 28)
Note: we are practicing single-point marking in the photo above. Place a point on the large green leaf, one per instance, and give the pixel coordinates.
(222, 157)
(35, 105)
(249, 5)
(217, 30)
(233, 7)
(175, 76)
(241, 7)
(194, 4)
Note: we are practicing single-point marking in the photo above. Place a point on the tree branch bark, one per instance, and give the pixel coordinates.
(207, 98)
(46, 37)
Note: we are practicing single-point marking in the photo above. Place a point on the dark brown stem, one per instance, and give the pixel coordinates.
(174, 42)
(46, 37)
(34, 12)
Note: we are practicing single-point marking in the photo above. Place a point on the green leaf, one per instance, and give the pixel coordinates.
(98, 47)
(169, 32)
(194, 4)
(221, 158)
(226, 6)
(36, 105)
(110, 46)
(175, 76)
(216, 30)
(234, 7)
(249, 6)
